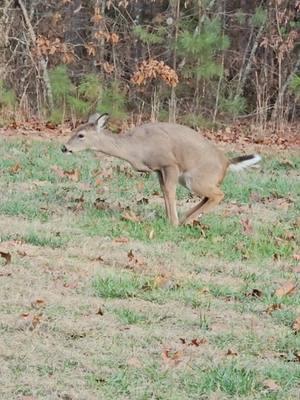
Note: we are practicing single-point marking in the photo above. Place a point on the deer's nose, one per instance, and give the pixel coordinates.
(64, 149)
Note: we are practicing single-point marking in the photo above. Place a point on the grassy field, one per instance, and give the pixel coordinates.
(103, 299)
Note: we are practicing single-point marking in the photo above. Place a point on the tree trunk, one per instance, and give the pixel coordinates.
(279, 99)
(42, 60)
(4, 29)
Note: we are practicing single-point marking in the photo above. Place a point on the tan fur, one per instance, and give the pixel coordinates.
(176, 153)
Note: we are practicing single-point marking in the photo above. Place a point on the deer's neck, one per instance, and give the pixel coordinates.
(115, 145)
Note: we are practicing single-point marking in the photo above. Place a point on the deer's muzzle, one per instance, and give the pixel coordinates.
(65, 150)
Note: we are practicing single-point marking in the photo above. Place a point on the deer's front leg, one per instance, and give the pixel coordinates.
(170, 179)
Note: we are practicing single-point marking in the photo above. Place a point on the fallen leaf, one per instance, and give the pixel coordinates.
(284, 290)
(71, 285)
(121, 240)
(151, 234)
(101, 204)
(287, 163)
(276, 256)
(231, 352)
(296, 325)
(296, 257)
(247, 226)
(255, 293)
(130, 216)
(197, 342)
(273, 307)
(36, 320)
(271, 385)
(194, 342)
(240, 246)
(38, 303)
(125, 169)
(143, 200)
(24, 315)
(155, 193)
(288, 235)
(172, 358)
(99, 258)
(6, 256)
(163, 282)
(79, 204)
(73, 175)
(15, 169)
(130, 255)
(29, 321)
(204, 290)
(134, 261)
(77, 335)
(100, 311)
(281, 203)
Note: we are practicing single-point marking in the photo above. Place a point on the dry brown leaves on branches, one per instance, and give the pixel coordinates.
(153, 69)
(112, 38)
(46, 47)
(97, 17)
(280, 45)
(120, 3)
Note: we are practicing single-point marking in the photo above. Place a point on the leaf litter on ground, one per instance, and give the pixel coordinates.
(7, 256)
(73, 174)
(286, 289)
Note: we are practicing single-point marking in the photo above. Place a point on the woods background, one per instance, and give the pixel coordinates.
(200, 62)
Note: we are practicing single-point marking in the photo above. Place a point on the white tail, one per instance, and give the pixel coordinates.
(176, 153)
(239, 166)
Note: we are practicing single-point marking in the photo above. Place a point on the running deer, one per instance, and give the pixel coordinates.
(176, 153)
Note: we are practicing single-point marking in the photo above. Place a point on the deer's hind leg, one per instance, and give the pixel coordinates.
(211, 193)
(162, 187)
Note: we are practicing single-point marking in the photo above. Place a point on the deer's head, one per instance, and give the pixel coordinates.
(86, 136)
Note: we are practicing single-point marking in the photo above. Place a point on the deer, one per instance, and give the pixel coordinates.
(177, 153)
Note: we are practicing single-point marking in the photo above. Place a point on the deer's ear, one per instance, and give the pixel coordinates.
(101, 121)
(93, 118)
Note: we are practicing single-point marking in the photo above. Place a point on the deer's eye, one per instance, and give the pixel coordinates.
(81, 135)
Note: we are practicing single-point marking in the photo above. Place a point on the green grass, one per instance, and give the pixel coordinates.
(104, 322)
(124, 286)
(229, 379)
(223, 237)
(52, 240)
(129, 317)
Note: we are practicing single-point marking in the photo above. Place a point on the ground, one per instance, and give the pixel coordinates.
(102, 299)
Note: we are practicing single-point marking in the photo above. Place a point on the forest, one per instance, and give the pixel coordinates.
(204, 63)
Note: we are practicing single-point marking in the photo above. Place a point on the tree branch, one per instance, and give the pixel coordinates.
(247, 69)
(284, 88)
(42, 60)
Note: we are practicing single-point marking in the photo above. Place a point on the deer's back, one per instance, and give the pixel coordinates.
(173, 143)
